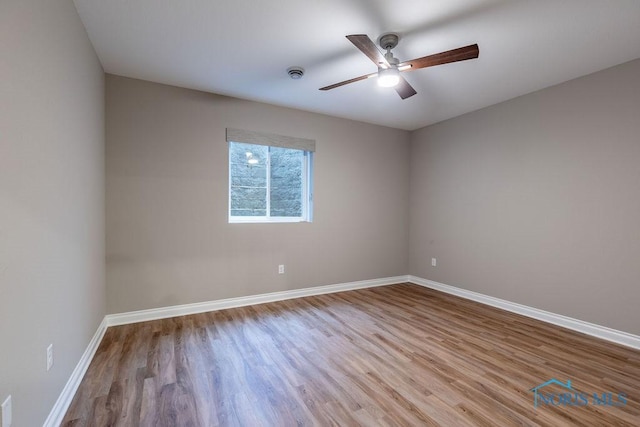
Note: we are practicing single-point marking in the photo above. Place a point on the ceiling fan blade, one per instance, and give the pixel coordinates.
(368, 47)
(346, 82)
(455, 55)
(404, 89)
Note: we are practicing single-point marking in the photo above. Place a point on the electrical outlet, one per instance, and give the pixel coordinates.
(49, 356)
(6, 412)
(433, 262)
(281, 269)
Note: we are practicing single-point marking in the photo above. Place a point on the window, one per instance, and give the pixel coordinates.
(269, 177)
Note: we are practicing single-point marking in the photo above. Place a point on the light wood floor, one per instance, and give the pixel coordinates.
(394, 355)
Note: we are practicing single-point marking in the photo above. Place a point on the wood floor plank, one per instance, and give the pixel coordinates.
(387, 356)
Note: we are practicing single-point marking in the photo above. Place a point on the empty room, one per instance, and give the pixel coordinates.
(319, 213)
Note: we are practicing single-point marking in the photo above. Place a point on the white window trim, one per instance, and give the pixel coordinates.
(264, 219)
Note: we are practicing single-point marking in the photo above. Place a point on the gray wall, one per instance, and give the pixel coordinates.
(168, 239)
(51, 200)
(537, 200)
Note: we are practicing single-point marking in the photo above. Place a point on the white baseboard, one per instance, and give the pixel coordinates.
(592, 329)
(202, 307)
(68, 392)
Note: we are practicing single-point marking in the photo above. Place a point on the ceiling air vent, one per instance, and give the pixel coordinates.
(295, 73)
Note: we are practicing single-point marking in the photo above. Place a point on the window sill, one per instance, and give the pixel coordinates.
(262, 220)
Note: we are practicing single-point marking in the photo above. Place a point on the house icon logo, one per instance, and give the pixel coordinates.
(536, 389)
(563, 394)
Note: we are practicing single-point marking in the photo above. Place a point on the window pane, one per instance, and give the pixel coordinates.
(248, 172)
(286, 182)
(248, 201)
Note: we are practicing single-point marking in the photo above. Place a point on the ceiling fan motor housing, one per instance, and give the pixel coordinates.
(393, 62)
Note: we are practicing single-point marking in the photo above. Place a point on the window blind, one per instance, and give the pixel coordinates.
(270, 139)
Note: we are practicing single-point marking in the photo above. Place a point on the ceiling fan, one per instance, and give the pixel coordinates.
(389, 67)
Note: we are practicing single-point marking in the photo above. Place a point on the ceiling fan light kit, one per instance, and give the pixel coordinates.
(389, 77)
(389, 67)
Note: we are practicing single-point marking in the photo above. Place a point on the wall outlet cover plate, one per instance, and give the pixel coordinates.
(6, 412)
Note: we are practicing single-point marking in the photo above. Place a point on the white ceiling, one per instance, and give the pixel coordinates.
(242, 48)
